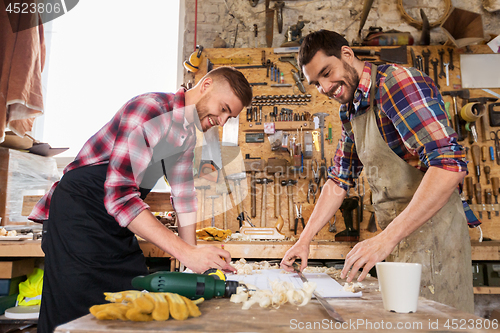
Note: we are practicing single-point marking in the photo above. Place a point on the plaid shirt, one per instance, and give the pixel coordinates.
(412, 120)
(128, 145)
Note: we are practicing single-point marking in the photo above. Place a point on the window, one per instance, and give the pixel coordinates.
(100, 54)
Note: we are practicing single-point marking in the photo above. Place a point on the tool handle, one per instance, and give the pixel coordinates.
(290, 205)
(484, 153)
(476, 152)
(487, 196)
(487, 171)
(263, 215)
(495, 183)
(277, 203)
(469, 188)
(479, 198)
(253, 195)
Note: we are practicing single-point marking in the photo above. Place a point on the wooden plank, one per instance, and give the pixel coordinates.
(27, 248)
(4, 175)
(264, 249)
(487, 290)
(489, 250)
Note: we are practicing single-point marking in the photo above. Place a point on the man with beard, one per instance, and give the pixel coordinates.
(90, 218)
(394, 125)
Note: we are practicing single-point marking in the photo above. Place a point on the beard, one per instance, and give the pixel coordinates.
(201, 113)
(350, 83)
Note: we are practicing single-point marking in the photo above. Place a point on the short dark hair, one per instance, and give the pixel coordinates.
(236, 80)
(327, 41)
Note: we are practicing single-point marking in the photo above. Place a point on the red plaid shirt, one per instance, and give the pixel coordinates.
(128, 144)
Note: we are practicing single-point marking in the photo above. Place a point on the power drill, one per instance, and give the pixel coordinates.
(192, 286)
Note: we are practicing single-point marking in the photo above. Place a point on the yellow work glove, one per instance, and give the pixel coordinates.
(212, 233)
(138, 306)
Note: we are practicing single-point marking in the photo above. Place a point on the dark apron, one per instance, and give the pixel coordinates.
(86, 251)
(442, 244)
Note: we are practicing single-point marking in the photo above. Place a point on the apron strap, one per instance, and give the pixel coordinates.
(372, 88)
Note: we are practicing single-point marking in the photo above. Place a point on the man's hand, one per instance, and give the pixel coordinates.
(299, 251)
(365, 255)
(203, 257)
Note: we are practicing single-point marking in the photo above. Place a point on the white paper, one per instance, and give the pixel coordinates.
(326, 286)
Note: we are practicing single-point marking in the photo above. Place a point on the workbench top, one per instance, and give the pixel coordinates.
(361, 314)
(489, 250)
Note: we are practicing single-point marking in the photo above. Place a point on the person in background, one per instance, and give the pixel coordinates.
(91, 216)
(394, 125)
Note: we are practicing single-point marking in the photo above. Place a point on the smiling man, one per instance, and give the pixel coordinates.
(395, 125)
(91, 216)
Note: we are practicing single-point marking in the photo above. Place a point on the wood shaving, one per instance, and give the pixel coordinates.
(353, 287)
(282, 292)
(247, 268)
(4, 232)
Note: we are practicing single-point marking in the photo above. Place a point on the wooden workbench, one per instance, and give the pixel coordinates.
(220, 315)
(256, 249)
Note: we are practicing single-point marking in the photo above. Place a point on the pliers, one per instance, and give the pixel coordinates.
(299, 216)
(311, 191)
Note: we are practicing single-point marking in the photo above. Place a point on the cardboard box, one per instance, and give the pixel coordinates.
(10, 268)
(23, 174)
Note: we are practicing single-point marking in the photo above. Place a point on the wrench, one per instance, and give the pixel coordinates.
(435, 63)
(450, 52)
(441, 56)
(426, 55)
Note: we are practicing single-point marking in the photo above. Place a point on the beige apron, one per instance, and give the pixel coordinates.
(442, 244)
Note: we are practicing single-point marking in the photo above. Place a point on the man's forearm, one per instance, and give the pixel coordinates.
(148, 227)
(186, 223)
(432, 194)
(329, 201)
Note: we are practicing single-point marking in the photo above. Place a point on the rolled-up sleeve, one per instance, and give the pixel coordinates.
(413, 103)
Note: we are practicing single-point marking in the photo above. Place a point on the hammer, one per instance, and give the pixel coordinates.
(464, 94)
(289, 191)
(264, 182)
(213, 197)
(203, 188)
(221, 190)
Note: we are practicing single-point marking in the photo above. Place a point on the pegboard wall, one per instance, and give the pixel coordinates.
(316, 103)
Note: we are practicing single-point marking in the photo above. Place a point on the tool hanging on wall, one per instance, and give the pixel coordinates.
(213, 197)
(269, 24)
(263, 215)
(464, 94)
(193, 64)
(278, 6)
(350, 234)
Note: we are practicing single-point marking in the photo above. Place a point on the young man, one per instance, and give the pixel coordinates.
(91, 216)
(394, 125)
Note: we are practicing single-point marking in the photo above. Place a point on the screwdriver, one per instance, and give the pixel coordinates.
(495, 182)
(469, 188)
(487, 200)
(487, 170)
(476, 152)
(479, 199)
(484, 153)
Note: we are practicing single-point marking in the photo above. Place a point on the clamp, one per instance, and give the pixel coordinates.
(299, 216)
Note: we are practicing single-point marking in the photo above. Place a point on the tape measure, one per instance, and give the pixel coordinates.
(216, 274)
